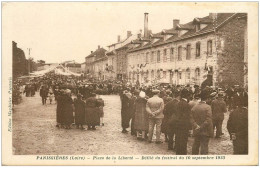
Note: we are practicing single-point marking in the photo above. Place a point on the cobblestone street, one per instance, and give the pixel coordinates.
(34, 133)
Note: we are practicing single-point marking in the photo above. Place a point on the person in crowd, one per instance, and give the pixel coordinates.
(32, 89)
(141, 117)
(51, 97)
(80, 110)
(170, 112)
(201, 120)
(218, 107)
(44, 94)
(167, 98)
(154, 108)
(125, 113)
(182, 123)
(237, 126)
(132, 111)
(101, 104)
(92, 112)
(59, 111)
(194, 101)
(27, 90)
(68, 109)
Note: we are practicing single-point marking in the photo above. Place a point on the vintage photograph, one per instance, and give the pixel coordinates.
(128, 79)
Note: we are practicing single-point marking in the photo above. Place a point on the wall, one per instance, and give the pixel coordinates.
(231, 56)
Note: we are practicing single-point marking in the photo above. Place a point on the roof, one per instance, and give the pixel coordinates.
(100, 52)
(220, 20)
(111, 53)
(125, 46)
(205, 20)
(187, 26)
(119, 42)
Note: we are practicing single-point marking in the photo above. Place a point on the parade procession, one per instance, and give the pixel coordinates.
(180, 91)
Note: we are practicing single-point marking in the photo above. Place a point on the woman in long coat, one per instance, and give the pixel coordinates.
(92, 113)
(59, 115)
(79, 112)
(141, 116)
(125, 110)
(68, 109)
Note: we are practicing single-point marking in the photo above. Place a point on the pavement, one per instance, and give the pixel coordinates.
(34, 133)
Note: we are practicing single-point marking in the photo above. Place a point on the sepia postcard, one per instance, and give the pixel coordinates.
(130, 83)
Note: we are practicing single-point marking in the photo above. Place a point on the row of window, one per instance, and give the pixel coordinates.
(197, 73)
(178, 76)
(180, 49)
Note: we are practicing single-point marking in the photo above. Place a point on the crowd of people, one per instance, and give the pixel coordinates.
(183, 111)
(176, 111)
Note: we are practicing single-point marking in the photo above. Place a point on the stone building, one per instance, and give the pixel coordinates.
(96, 63)
(117, 57)
(209, 48)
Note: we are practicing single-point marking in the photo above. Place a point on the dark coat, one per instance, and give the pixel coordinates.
(141, 116)
(183, 115)
(67, 108)
(125, 111)
(238, 124)
(218, 107)
(201, 116)
(59, 112)
(92, 112)
(43, 92)
(169, 120)
(79, 111)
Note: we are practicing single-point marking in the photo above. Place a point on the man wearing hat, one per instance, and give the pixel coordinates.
(154, 108)
(182, 123)
(218, 107)
(237, 126)
(201, 120)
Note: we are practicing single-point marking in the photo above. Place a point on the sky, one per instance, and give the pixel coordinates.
(62, 31)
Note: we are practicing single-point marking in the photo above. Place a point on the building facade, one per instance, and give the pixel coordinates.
(210, 48)
(117, 57)
(93, 62)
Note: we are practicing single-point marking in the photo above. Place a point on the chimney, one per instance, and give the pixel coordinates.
(129, 33)
(175, 23)
(118, 38)
(146, 25)
(98, 46)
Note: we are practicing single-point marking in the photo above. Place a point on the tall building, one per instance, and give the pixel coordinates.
(209, 48)
(96, 63)
(117, 57)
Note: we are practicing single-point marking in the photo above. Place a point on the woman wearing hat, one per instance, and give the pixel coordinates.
(141, 117)
(79, 112)
(92, 112)
(68, 109)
